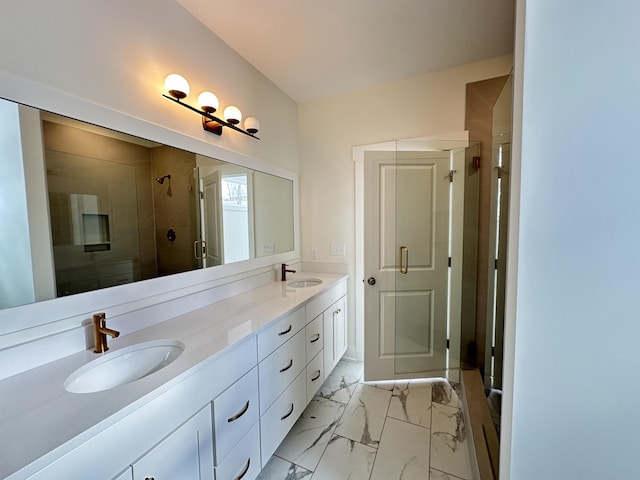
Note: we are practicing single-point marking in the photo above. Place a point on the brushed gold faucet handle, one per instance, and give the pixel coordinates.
(100, 332)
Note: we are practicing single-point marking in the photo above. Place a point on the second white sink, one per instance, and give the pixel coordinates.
(304, 283)
(123, 366)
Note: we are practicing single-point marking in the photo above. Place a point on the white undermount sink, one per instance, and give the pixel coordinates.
(304, 283)
(123, 366)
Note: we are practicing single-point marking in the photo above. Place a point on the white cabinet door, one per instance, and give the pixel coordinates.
(335, 334)
(186, 454)
(340, 328)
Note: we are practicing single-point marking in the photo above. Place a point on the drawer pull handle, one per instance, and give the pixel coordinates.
(316, 337)
(284, 369)
(244, 470)
(240, 413)
(288, 414)
(285, 332)
(316, 377)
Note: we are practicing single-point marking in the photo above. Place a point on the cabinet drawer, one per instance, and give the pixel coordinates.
(280, 332)
(321, 302)
(280, 368)
(314, 336)
(234, 413)
(315, 375)
(281, 416)
(243, 462)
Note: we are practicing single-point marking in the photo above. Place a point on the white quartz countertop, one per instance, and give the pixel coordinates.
(39, 418)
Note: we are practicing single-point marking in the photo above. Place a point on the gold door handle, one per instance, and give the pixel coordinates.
(404, 260)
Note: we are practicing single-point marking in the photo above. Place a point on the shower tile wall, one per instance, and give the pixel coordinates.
(390, 430)
(174, 206)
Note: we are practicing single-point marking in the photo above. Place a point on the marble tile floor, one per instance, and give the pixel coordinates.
(404, 430)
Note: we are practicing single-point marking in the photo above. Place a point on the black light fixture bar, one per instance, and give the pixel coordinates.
(223, 123)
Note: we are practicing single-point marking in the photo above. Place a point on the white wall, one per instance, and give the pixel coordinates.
(573, 327)
(116, 54)
(419, 106)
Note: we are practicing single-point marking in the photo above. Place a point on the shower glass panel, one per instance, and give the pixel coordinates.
(429, 195)
(94, 222)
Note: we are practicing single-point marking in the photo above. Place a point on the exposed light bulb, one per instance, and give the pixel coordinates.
(232, 114)
(177, 86)
(208, 102)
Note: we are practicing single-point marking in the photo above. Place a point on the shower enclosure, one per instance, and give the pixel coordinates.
(413, 238)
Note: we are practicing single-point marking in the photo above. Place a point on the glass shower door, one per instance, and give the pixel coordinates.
(422, 248)
(413, 221)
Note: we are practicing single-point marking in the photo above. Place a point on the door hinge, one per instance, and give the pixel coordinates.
(493, 351)
(502, 171)
(496, 264)
(451, 174)
(449, 262)
(201, 195)
(448, 343)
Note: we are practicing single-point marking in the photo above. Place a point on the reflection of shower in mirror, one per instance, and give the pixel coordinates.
(88, 242)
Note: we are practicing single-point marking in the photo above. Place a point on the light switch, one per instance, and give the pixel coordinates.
(269, 247)
(338, 250)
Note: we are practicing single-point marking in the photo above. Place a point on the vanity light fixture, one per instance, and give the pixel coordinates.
(178, 89)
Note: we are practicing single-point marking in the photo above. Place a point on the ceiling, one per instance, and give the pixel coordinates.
(317, 49)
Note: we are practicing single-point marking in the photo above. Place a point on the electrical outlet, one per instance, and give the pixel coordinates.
(314, 253)
(338, 250)
(269, 247)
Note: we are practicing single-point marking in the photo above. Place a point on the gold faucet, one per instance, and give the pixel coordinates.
(100, 332)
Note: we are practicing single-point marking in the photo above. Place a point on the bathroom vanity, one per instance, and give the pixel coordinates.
(250, 365)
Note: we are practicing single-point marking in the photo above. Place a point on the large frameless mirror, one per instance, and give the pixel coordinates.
(119, 209)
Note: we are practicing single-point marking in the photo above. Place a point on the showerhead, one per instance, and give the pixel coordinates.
(161, 180)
